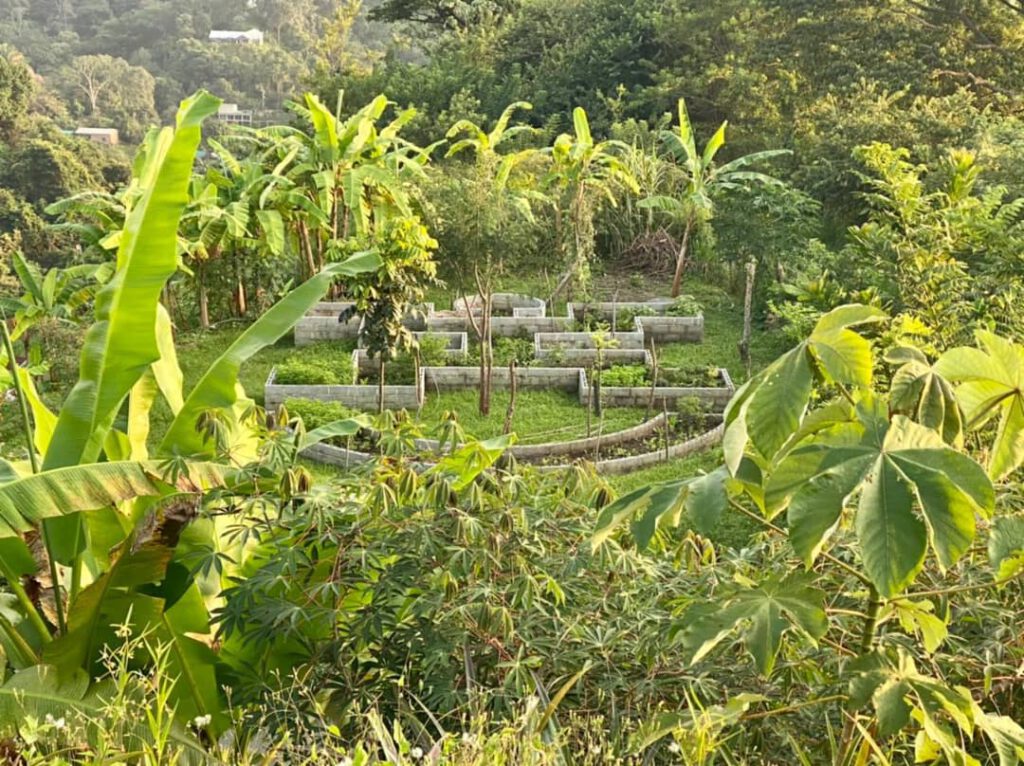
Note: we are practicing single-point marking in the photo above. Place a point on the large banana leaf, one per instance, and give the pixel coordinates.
(217, 390)
(122, 344)
(160, 600)
(66, 491)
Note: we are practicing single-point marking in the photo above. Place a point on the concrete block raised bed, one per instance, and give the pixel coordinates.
(657, 326)
(503, 304)
(587, 357)
(438, 379)
(665, 397)
(457, 351)
(321, 324)
(669, 329)
(359, 397)
(549, 340)
(578, 349)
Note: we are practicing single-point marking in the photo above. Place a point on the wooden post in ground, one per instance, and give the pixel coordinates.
(748, 305)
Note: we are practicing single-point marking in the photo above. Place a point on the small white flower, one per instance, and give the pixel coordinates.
(595, 749)
(202, 721)
(346, 761)
(416, 752)
(674, 748)
(57, 723)
(468, 738)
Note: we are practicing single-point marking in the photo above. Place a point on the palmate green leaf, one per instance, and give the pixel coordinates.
(470, 460)
(67, 491)
(218, 388)
(921, 393)
(1005, 734)
(914, 492)
(702, 499)
(761, 615)
(897, 692)
(918, 617)
(769, 409)
(991, 385)
(1006, 546)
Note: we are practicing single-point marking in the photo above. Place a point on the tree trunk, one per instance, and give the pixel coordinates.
(380, 385)
(510, 413)
(748, 303)
(486, 361)
(307, 250)
(677, 280)
(241, 304)
(204, 299)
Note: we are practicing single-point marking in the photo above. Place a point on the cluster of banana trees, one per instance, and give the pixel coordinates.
(298, 194)
(268, 207)
(98, 524)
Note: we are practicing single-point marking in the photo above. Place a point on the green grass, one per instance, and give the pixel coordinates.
(541, 416)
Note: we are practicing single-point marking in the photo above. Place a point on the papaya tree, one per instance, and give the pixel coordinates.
(386, 297)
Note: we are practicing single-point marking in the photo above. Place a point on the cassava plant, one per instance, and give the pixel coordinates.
(878, 500)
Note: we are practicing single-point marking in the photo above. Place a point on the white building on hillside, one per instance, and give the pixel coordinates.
(252, 36)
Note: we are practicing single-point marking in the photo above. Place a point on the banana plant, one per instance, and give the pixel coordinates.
(701, 181)
(348, 175)
(584, 174)
(496, 192)
(109, 515)
(59, 294)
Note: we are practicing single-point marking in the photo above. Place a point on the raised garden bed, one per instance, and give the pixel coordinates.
(353, 395)
(455, 350)
(439, 379)
(660, 320)
(321, 324)
(714, 397)
(501, 326)
(621, 451)
(503, 305)
(579, 349)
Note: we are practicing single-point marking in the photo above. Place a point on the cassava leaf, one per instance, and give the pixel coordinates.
(914, 491)
(991, 385)
(761, 615)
